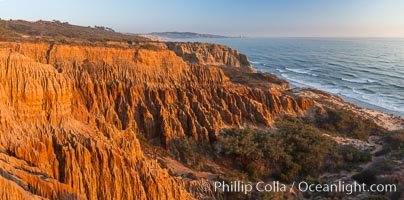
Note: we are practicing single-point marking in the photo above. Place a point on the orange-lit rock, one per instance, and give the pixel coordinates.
(69, 115)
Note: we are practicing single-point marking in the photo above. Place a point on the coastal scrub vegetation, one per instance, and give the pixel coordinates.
(150, 47)
(394, 144)
(16, 30)
(344, 123)
(190, 152)
(395, 139)
(294, 151)
(384, 170)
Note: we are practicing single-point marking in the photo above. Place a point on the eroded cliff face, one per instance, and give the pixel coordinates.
(210, 54)
(69, 115)
(47, 151)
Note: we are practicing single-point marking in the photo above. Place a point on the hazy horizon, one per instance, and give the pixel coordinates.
(289, 18)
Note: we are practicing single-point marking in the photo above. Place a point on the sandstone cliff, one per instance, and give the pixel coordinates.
(212, 54)
(70, 115)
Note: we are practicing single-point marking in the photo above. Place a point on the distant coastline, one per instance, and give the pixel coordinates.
(182, 35)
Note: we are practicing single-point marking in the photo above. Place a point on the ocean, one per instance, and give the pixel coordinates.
(366, 72)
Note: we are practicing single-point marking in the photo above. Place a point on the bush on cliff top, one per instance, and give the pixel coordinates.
(395, 143)
(346, 124)
(395, 139)
(295, 151)
(11, 30)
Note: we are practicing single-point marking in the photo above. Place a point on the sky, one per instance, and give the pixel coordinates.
(254, 18)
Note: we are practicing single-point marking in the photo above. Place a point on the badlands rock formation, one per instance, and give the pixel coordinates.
(70, 114)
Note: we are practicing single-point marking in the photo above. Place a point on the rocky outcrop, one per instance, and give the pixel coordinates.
(31, 90)
(70, 115)
(210, 54)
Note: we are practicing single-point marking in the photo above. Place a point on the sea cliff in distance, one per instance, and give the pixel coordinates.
(162, 36)
(89, 113)
(179, 35)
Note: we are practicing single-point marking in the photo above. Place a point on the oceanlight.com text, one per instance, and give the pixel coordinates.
(303, 186)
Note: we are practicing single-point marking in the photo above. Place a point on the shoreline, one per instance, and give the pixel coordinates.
(390, 122)
(354, 101)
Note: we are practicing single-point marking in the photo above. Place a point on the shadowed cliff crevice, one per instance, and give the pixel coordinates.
(48, 52)
(13, 179)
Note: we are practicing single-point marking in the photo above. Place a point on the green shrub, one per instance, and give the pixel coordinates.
(366, 176)
(353, 156)
(395, 139)
(190, 152)
(294, 151)
(149, 47)
(383, 166)
(345, 123)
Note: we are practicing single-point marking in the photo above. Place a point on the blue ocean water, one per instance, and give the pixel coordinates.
(367, 72)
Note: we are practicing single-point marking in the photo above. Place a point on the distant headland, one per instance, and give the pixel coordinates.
(180, 35)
